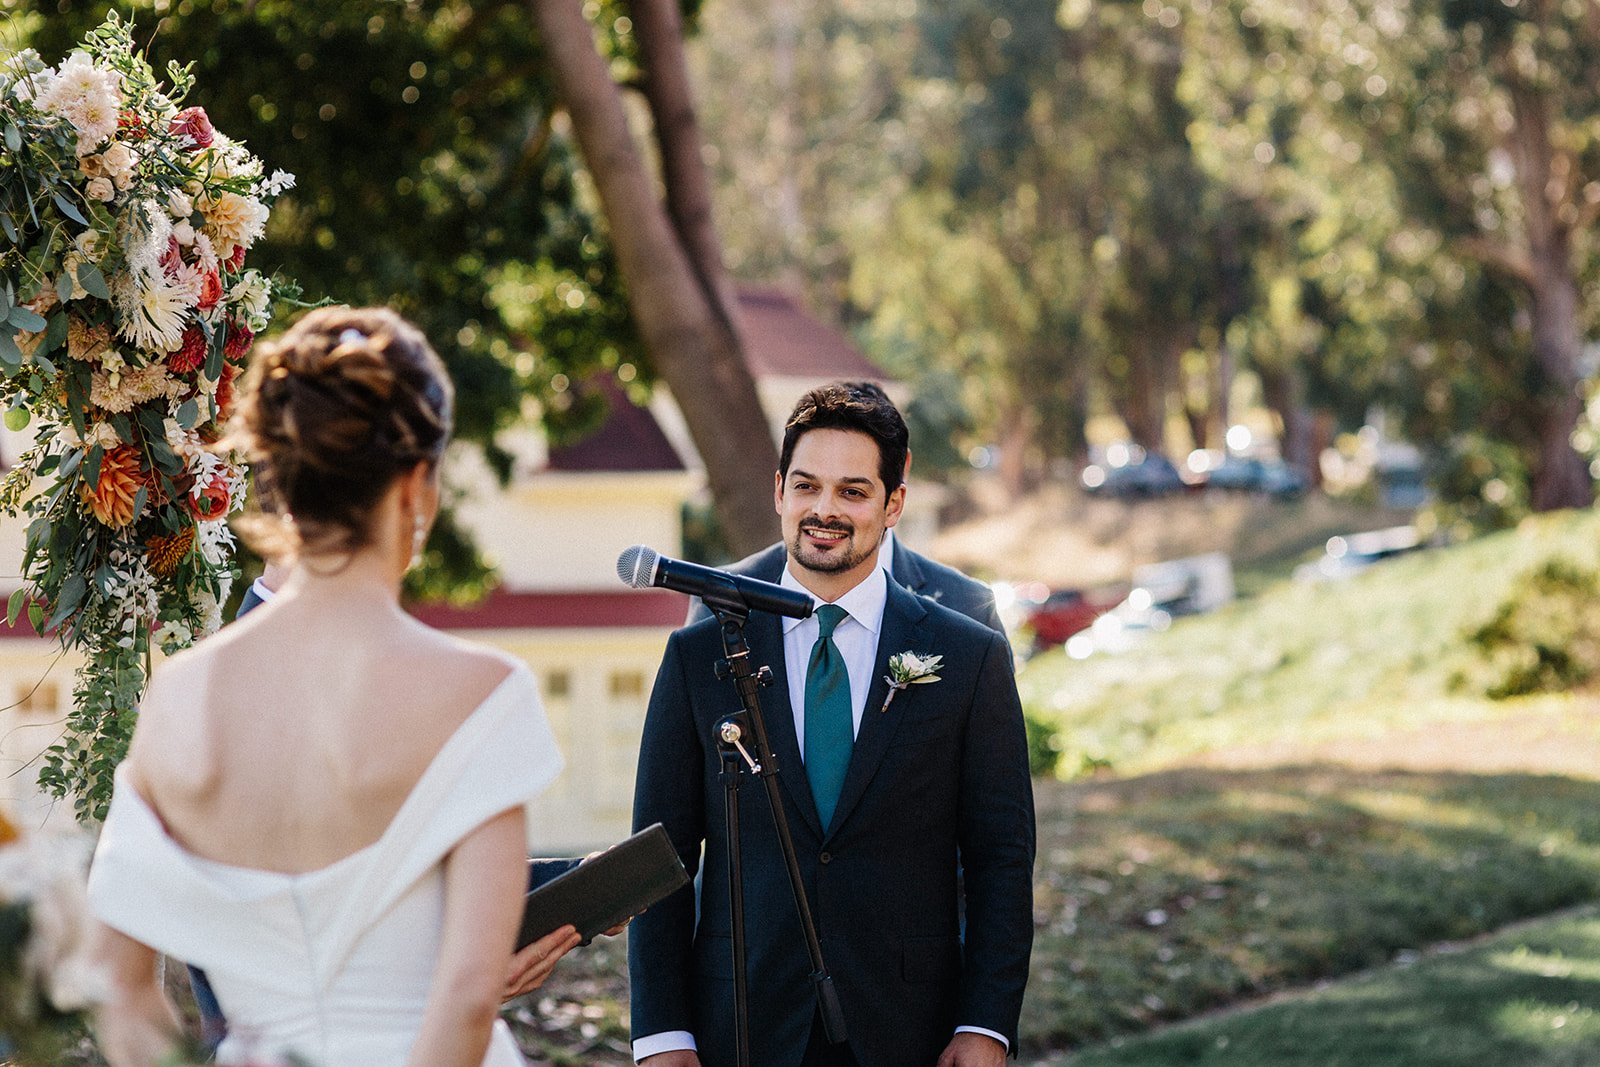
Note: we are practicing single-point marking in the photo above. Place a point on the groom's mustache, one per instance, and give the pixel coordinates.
(831, 527)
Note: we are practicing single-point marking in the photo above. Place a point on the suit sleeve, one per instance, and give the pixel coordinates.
(997, 851)
(250, 602)
(669, 790)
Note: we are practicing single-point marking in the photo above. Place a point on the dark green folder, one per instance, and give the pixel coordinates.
(599, 893)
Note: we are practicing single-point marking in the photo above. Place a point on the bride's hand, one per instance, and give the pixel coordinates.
(533, 964)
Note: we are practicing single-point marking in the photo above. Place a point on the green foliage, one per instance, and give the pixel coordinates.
(1545, 636)
(1044, 745)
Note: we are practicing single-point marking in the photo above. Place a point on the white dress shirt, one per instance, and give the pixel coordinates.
(856, 638)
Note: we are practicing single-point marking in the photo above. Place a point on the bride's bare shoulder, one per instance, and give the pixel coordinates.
(465, 666)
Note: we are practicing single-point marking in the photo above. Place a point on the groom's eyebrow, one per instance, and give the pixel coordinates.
(849, 479)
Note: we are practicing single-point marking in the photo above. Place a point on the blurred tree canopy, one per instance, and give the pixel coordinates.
(1119, 206)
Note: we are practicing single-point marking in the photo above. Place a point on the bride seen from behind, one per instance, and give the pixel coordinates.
(322, 805)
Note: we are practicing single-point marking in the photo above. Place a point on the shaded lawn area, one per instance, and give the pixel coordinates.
(1168, 895)
(1529, 997)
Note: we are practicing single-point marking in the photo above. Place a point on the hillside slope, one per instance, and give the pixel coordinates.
(1306, 666)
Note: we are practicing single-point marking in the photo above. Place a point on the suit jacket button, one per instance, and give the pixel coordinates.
(826, 857)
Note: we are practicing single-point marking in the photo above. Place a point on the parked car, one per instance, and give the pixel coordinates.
(1244, 474)
(1123, 627)
(1132, 471)
(1161, 592)
(1061, 614)
(1348, 554)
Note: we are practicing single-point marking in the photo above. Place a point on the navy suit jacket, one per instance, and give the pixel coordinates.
(937, 782)
(917, 573)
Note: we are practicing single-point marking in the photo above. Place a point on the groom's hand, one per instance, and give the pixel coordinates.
(682, 1057)
(973, 1050)
(533, 964)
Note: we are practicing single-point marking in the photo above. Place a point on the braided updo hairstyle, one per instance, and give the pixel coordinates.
(348, 400)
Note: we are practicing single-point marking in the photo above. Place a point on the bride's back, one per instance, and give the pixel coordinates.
(322, 806)
(290, 740)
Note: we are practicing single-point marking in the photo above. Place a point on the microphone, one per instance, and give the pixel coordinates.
(641, 568)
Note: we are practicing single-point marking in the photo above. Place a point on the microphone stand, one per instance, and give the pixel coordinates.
(737, 758)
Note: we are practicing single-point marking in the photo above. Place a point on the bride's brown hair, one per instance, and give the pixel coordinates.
(331, 414)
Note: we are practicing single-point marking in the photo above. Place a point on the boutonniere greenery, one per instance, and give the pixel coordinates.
(908, 668)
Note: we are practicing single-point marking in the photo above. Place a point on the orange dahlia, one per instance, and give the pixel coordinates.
(166, 551)
(112, 500)
(8, 832)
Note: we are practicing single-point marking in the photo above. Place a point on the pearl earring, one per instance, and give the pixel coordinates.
(419, 534)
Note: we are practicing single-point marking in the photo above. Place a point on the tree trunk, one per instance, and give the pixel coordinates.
(1284, 391)
(677, 289)
(1561, 478)
(1145, 409)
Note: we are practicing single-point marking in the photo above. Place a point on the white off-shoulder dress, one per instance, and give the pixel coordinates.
(333, 965)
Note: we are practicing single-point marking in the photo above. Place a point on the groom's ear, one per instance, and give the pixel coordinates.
(894, 506)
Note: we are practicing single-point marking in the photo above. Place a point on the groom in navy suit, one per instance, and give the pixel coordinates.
(918, 573)
(888, 792)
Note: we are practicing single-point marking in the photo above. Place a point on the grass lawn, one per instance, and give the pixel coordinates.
(1171, 894)
(1302, 664)
(1529, 997)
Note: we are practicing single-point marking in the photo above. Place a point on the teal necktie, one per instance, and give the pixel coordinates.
(829, 729)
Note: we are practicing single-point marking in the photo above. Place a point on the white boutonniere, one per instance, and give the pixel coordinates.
(908, 668)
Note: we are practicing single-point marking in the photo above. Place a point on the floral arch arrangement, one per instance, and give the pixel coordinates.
(125, 315)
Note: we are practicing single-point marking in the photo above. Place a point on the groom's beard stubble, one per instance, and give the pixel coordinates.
(849, 556)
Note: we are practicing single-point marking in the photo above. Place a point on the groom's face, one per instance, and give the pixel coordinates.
(834, 506)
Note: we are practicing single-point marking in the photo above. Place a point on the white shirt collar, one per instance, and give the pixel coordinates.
(865, 603)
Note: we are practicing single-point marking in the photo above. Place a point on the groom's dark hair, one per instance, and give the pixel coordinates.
(861, 407)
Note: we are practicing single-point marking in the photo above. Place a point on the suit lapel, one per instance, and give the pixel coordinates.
(905, 568)
(764, 634)
(902, 618)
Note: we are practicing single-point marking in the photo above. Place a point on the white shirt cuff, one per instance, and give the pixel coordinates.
(667, 1041)
(986, 1033)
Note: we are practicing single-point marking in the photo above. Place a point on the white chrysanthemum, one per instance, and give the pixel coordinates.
(251, 296)
(159, 312)
(87, 96)
(232, 219)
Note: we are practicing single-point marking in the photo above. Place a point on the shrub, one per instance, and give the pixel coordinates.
(1545, 636)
